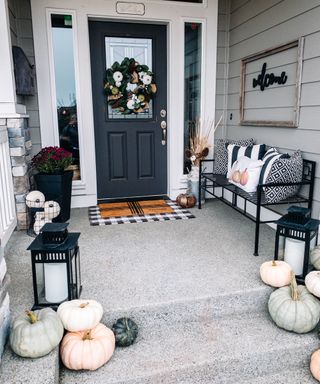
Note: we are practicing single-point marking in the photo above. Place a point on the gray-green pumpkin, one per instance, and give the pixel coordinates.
(294, 308)
(315, 257)
(36, 333)
(125, 331)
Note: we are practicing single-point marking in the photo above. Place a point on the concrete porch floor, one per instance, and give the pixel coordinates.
(172, 278)
(133, 265)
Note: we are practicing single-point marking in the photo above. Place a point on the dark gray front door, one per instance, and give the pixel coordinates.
(131, 153)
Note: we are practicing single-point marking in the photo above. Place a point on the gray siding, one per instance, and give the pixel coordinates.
(256, 25)
(22, 35)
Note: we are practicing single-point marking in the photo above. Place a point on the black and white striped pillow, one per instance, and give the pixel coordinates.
(268, 159)
(254, 152)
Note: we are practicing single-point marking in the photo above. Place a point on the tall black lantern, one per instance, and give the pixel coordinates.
(55, 259)
(298, 232)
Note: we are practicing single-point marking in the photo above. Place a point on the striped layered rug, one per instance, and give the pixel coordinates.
(128, 212)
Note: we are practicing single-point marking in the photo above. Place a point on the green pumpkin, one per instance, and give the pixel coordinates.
(36, 333)
(294, 308)
(125, 331)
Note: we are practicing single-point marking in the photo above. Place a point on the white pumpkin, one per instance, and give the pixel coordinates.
(275, 273)
(312, 282)
(315, 257)
(79, 315)
(35, 199)
(51, 209)
(294, 308)
(40, 221)
(36, 333)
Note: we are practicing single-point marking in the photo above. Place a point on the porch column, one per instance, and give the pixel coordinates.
(8, 99)
(14, 121)
(7, 218)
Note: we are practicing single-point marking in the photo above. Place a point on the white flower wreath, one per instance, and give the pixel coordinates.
(129, 86)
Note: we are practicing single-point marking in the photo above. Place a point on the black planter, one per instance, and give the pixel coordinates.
(57, 187)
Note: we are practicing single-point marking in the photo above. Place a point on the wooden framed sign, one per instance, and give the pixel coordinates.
(270, 86)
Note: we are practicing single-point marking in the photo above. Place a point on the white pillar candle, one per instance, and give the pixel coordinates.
(294, 255)
(40, 278)
(281, 247)
(56, 282)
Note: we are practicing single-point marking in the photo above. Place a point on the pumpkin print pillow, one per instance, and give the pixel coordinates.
(245, 173)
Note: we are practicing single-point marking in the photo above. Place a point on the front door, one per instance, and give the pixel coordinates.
(130, 104)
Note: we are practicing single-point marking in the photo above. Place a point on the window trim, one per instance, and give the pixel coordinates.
(76, 184)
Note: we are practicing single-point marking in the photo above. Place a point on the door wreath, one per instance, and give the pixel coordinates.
(129, 86)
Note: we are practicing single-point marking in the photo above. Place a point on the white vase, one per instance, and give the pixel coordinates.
(193, 183)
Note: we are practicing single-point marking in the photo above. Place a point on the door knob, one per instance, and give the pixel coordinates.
(163, 124)
(163, 113)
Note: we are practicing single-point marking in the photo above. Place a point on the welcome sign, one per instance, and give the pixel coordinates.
(270, 86)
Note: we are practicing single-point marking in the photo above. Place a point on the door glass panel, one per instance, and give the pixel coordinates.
(192, 82)
(63, 56)
(119, 48)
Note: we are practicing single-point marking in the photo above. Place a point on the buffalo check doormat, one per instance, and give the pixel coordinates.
(137, 212)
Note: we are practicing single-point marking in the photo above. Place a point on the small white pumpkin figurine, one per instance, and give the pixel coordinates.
(315, 257)
(40, 221)
(51, 209)
(312, 282)
(275, 273)
(35, 199)
(315, 364)
(79, 315)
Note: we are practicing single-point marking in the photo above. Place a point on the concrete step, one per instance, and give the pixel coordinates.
(216, 306)
(218, 350)
(293, 376)
(18, 370)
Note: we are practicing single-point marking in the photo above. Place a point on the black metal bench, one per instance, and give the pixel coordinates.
(209, 182)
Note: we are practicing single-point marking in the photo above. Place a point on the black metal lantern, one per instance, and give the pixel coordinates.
(298, 232)
(55, 259)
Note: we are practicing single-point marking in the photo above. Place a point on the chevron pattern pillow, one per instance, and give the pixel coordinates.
(284, 170)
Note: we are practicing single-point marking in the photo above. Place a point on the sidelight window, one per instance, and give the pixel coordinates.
(65, 86)
(192, 81)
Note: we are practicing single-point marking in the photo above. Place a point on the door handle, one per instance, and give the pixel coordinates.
(164, 136)
(163, 126)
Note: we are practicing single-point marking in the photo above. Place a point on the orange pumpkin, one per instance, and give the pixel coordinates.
(88, 349)
(186, 201)
(315, 364)
(236, 177)
(244, 177)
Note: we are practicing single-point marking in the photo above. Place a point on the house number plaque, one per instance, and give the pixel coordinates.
(130, 8)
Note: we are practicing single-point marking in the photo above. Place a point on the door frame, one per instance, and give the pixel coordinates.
(156, 11)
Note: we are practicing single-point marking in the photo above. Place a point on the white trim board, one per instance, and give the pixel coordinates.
(173, 14)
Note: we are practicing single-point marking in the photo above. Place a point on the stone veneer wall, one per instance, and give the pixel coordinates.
(20, 153)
